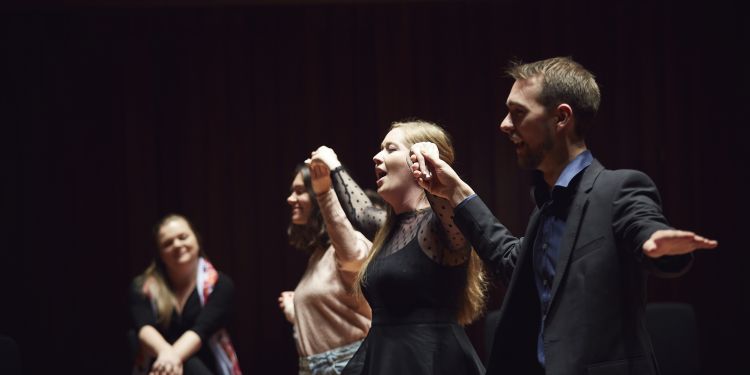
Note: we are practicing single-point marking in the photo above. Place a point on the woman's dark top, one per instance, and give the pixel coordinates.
(415, 286)
(203, 320)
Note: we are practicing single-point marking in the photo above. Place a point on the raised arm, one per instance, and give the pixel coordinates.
(359, 209)
(351, 246)
(443, 241)
(365, 216)
(492, 241)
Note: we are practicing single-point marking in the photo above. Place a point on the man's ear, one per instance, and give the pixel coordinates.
(564, 117)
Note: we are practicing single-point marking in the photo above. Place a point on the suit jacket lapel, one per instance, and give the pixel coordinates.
(523, 257)
(573, 224)
(527, 247)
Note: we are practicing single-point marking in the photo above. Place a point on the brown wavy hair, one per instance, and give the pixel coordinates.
(312, 235)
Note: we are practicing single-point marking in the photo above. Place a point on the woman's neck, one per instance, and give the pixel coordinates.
(184, 277)
(412, 200)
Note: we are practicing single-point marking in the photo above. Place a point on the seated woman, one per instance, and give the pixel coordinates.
(179, 328)
(329, 319)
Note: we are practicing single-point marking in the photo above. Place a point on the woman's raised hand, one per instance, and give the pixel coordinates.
(322, 161)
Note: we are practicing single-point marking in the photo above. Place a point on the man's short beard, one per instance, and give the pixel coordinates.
(535, 157)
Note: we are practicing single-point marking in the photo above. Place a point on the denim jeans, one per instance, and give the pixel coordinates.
(328, 363)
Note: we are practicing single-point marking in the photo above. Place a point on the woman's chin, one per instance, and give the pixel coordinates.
(187, 260)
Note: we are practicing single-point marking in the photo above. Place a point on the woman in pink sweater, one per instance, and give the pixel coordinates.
(329, 320)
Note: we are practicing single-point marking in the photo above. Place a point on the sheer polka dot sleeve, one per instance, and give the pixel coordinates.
(439, 237)
(359, 209)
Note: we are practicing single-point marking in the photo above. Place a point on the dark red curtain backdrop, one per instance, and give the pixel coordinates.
(113, 115)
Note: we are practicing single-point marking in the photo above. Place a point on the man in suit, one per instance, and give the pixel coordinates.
(576, 292)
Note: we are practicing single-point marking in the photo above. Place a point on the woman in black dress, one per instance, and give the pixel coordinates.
(422, 279)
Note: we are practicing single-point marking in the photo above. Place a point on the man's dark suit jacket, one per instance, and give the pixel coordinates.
(595, 320)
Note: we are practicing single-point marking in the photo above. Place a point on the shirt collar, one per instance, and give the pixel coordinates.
(573, 169)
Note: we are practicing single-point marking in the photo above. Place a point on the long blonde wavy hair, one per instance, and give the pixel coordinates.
(472, 299)
(154, 281)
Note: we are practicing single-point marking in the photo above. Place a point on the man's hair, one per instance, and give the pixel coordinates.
(563, 81)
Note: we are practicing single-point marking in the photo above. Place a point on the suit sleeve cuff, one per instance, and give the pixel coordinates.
(465, 201)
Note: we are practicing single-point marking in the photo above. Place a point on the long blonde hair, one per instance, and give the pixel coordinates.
(472, 298)
(153, 282)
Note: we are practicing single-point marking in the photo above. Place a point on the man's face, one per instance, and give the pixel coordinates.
(528, 124)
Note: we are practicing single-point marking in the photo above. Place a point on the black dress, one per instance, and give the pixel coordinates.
(414, 286)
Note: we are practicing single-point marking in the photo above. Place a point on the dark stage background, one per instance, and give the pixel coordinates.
(114, 113)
